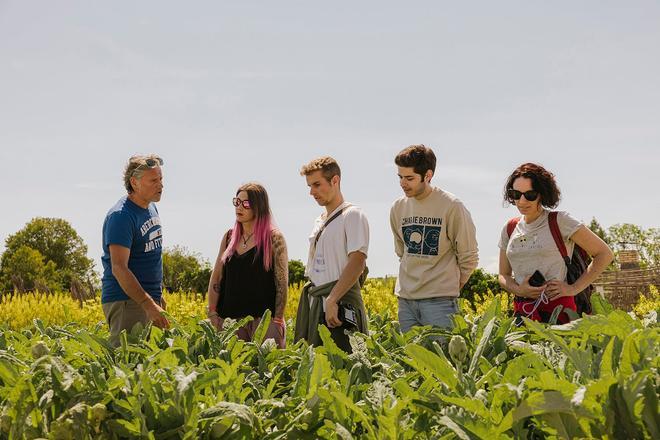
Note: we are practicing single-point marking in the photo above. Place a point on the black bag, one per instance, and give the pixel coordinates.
(348, 316)
(576, 265)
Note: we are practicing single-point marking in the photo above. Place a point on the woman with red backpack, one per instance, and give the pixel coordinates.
(544, 254)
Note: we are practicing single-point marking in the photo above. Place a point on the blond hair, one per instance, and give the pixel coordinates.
(326, 164)
(135, 167)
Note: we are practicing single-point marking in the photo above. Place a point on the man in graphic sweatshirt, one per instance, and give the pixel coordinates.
(435, 240)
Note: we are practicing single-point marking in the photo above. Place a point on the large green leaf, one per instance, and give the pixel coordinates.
(546, 402)
(8, 373)
(262, 328)
(430, 364)
(488, 330)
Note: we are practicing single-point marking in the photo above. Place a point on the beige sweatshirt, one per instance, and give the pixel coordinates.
(436, 242)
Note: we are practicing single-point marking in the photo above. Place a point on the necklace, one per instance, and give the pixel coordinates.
(245, 240)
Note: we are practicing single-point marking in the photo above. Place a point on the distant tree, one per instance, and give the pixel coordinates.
(296, 272)
(62, 252)
(185, 271)
(646, 242)
(25, 270)
(597, 229)
(479, 282)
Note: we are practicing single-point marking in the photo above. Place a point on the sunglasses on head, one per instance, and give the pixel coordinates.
(236, 202)
(151, 162)
(530, 195)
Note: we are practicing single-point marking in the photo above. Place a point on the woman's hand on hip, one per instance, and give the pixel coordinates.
(527, 291)
(558, 289)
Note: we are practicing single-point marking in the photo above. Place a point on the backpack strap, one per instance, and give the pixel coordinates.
(556, 235)
(511, 225)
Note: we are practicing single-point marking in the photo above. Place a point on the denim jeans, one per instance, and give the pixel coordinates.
(429, 311)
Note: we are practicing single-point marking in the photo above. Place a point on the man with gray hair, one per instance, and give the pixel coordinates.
(132, 251)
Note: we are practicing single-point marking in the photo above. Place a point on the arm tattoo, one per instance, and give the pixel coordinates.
(281, 269)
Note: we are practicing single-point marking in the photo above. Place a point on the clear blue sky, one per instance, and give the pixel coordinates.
(232, 92)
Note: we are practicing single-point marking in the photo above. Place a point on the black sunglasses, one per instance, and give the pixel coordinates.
(153, 162)
(530, 195)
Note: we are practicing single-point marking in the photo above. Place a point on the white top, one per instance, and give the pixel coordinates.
(348, 233)
(531, 247)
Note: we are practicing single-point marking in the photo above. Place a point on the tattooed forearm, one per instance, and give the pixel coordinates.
(281, 269)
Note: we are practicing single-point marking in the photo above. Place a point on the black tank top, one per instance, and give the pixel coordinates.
(246, 288)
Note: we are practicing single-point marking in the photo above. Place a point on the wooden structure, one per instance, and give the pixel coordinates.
(623, 287)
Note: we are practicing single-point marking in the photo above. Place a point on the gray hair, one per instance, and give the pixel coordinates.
(135, 167)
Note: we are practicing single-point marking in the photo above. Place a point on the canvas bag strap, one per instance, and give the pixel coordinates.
(327, 222)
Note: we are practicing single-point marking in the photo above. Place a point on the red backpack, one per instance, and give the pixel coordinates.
(576, 265)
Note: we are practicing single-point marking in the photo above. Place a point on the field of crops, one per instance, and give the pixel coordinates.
(594, 378)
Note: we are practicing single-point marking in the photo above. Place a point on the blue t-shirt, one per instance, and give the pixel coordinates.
(138, 229)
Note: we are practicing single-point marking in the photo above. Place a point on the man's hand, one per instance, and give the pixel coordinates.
(332, 314)
(155, 314)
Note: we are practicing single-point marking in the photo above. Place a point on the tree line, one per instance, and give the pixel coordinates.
(48, 255)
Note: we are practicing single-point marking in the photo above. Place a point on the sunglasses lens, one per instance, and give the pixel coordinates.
(246, 204)
(153, 162)
(235, 201)
(531, 195)
(515, 195)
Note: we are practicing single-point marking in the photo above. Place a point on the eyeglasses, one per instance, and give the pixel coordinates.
(530, 195)
(151, 162)
(236, 202)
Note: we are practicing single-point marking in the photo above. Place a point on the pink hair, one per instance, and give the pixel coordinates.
(263, 226)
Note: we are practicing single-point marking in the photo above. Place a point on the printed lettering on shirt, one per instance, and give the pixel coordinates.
(155, 234)
(154, 244)
(155, 239)
(153, 221)
(421, 235)
(319, 264)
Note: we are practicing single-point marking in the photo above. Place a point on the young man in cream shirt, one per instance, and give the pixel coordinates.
(435, 240)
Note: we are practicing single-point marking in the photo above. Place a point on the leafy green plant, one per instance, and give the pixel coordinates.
(596, 377)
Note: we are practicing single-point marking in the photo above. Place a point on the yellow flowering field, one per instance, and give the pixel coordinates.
(19, 310)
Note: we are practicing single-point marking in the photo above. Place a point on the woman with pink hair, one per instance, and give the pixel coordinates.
(251, 272)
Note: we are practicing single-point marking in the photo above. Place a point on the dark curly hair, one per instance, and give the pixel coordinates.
(543, 181)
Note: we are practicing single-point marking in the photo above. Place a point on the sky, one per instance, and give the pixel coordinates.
(231, 92)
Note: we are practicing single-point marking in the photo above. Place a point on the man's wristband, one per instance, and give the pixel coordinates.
(279, 321)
